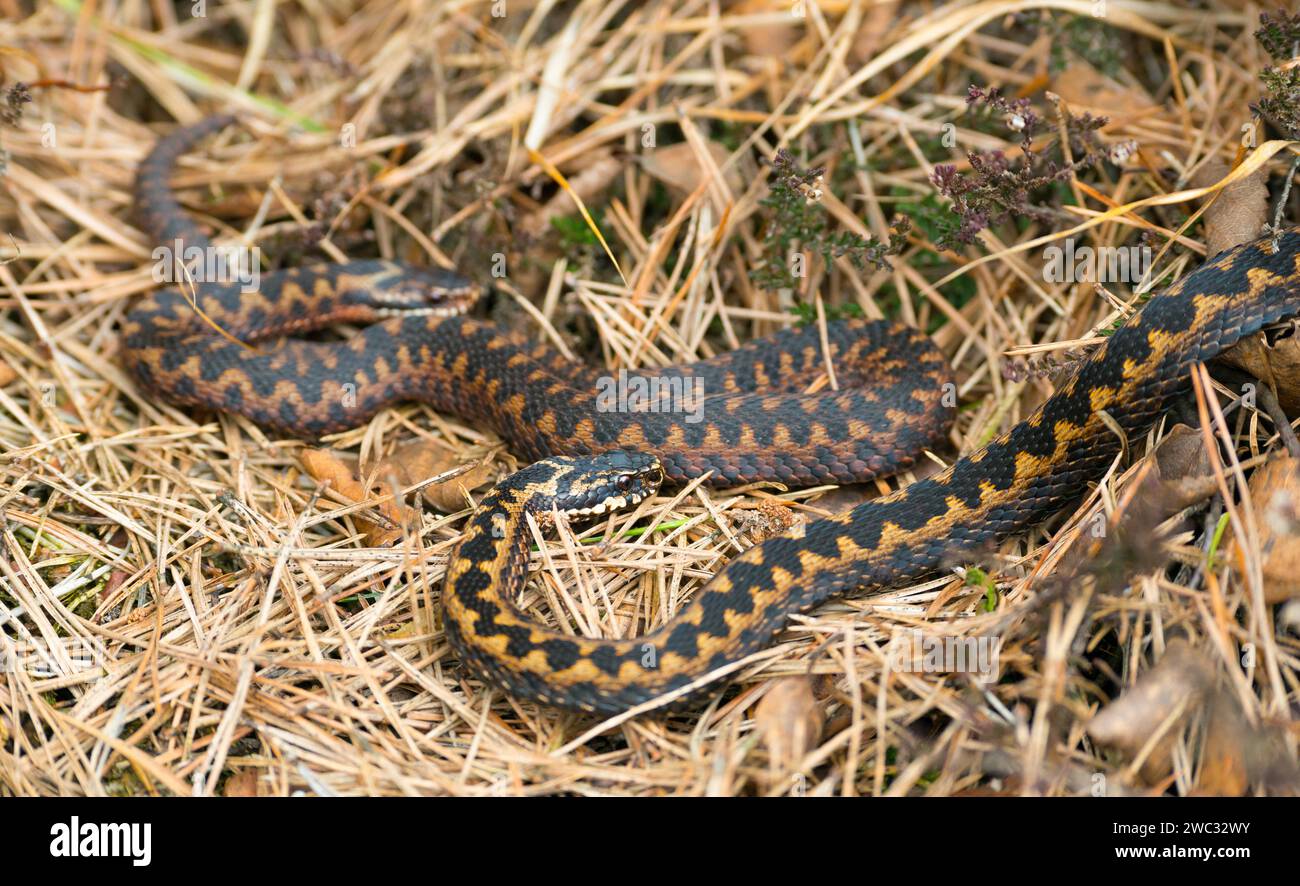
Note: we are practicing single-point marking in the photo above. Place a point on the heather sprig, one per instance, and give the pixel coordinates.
(998, 188)
(1018, 115)
(799, 223)
(1279, 35)
(11, 110)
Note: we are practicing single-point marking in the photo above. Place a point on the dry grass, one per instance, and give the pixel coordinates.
(241, 637)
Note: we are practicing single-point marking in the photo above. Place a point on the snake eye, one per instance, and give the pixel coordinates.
(624, 482)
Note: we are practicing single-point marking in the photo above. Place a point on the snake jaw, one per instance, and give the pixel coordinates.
(421, 292)
(447, 311)
(613, 503)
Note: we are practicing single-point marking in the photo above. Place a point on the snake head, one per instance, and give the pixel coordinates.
(387, 289)
(594, 484)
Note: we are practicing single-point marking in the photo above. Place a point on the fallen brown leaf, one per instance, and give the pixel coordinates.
(769, 40)
(876, 21)
(678, 167)
(327, 467)
(1223, 771)
(1275, 498)
(241, 784)
(1083, 86)
(1181, 455)
(1278, 361)
(790, 721)
(1184, 696)
(1182, 476)
(1239, 211)
(1172, 691)
(420, 460)
(1237, 757)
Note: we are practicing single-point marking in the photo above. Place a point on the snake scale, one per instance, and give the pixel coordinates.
(417, 344)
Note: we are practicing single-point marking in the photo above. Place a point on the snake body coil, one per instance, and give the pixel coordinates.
(891, 404)
(543, 406)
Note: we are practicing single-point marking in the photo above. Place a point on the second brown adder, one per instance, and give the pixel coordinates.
(544, 406)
